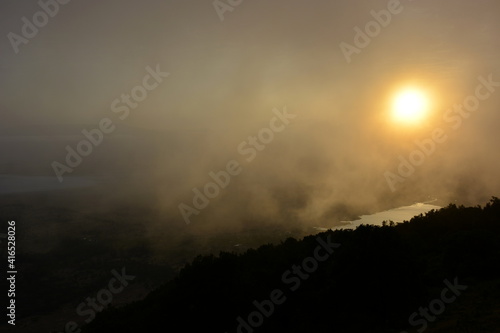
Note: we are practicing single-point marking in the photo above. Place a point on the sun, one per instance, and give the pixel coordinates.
(410, 106)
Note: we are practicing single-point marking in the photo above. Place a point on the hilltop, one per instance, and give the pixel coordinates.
(374, 279)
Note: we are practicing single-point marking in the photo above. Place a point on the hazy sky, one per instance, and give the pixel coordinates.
(227, 76)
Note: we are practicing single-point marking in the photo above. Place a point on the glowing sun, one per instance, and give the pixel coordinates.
(410, 106)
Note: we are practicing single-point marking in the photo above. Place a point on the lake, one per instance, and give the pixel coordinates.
(400, 214)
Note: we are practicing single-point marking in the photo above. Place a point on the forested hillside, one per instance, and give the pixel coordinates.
(439, 273)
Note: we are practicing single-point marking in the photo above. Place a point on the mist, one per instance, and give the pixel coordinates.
(328, 164)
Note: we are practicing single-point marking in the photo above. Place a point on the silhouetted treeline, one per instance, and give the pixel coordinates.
(373, 282)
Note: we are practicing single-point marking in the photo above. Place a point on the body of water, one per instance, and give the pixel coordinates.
(400, 214)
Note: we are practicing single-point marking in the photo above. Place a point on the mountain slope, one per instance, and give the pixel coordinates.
(372, 279)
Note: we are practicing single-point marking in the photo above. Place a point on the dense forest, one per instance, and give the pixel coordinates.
(436, 273)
